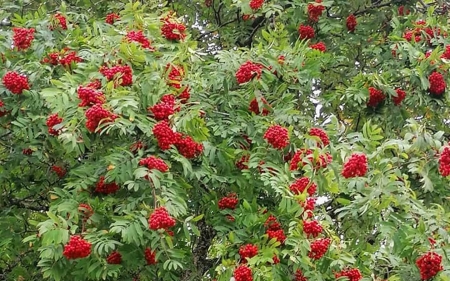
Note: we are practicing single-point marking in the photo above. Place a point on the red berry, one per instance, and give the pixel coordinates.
(150, 256)
(77, 248)
(356, 166)
(15, 82)
(275, 259)
(437, 83)
(302, 184)
(173, 31)
(306, 32)
(446, 54)
(248, 71)
(312, 228)
(444, 162)
(276, 234)
(256, 4)
(27, 151)
(319, 247)
(135, 147)
(89, 96)
(306, 156)
(319, 46)
(176, 74)
(70, 58)
(321, 134)
(228, 202)
(160, 219)
(400, 96)
(243, 273)
(52, 58)
(153, 162)
(188, 147)
(277, 136)
(59, 171)
(375, 97)
(165, 136)
(123, 74)
(22, 37)
(97, 115)
(351, 23)
(184, 96)
(254, 107)
(352, 274)
(114, 258)
(139, 37)
(272, 223)
(248, 251)
(402, 12)
(165, 108)
(106, 188)
(111, 18)
(242, 164)
(315, 10)
(299, 276)
(61, 20)
(51, 122)
(308, 207)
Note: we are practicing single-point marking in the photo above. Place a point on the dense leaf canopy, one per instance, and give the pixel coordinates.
(220, 139)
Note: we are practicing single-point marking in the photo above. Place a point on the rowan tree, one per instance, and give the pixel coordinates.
(219, 139)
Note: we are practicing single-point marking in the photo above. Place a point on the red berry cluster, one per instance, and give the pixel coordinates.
(307, 155)
(429, 265)
(27, 151)
(299, 276)
(175, 75)
(356, 166)
(15, 82)
(243, 273)
(248, 71)
(444, 162)
(256, 4)
(125, 74)
(321, 134)
(318, 248)
(59, 171)
(272, 223)
(160, 219)
(90, 96)
(400, 96)
(111, 18)
(351, 23)
(306, 32)
(106, 188)
(69, 58)
(308, 207)
(173, 31)
(150, 256)
(114, 258)
(302, 184)
(52, 58)
(51, 122)
(446, 54)
(437, 83)
(3, 112)
(97, 115)
(85, 210)
(277, 136)
(139, 37)
(275, 259)
(228, 202)
(276, 234)
(153, 162)
(61, 20)
(77, 248)
(187, 147)
(254, 107)
(319, 46)
(165, 135)
(315, 10)
(402, 12)
(352, 274)
(375, 97)
(242, 164)
(418, 32)
(312, 228)
(248, 251)
(165, 108)
(184, 96)
(22, 37)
